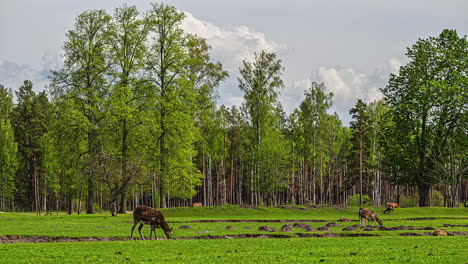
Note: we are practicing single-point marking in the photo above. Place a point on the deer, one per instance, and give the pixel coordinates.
(368, 215)
(197, 204)
(147, 215)
(391, 207)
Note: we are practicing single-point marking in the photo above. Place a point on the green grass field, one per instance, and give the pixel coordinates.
(382, 246)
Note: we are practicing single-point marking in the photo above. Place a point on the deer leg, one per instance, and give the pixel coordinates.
(139, 230)
(153, 230)
(133, 227)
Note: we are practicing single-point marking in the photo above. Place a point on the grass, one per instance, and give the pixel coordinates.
(103, 225)
(385, 246)
(294, 250)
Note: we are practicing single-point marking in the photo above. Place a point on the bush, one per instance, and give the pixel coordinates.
(354, 200)
(437, 199)
(408, 201)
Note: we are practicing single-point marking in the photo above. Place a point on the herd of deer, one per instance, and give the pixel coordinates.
(146, 215)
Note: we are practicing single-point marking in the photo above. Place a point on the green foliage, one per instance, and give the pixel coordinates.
(8, 149)
(30, 120)
(437, 199)
(428, 98)
(260, 81)
(355, 200)
(408, 201)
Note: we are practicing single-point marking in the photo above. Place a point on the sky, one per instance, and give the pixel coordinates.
(350, 45)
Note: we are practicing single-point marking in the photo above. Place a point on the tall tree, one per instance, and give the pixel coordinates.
(168, 65)
(261, 81)
(312, 114)
(127, 104)
(428, 98)
(360, 127)
(206, 77)
(82, 80)
(30, 124)
(8, 149)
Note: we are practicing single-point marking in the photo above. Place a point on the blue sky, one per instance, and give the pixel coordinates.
(350, 45)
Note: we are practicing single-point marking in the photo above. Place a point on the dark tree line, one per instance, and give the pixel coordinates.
(131, 118)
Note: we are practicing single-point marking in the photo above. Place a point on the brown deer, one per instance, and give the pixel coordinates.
(150, 216)
(368, 215)
(391, 207)
(197, 204)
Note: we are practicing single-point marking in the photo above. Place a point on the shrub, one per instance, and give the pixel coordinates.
(437, 199)
(408, 201)
(354, 200)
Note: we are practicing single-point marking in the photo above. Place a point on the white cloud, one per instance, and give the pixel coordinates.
(394, 65)
(347, 84)
(230, 46)
(302, 84)
(12, 75)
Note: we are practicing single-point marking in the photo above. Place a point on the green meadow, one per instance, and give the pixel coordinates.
(212, 242)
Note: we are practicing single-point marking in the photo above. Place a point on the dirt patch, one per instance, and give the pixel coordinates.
(458, 233)
(185, 227)
(332, 224)
(266, 228)
(409, 234)
(249, 207)
(249, 221)
(300, 225)
(449, 225)
(45, 239)
(336, 235)
(383, 228)
(230, 227)
(292, 207)
(286, 228)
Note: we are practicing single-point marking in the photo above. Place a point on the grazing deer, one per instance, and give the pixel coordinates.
(391, 207)
(197, 204)
(368, 215)
(147, 215)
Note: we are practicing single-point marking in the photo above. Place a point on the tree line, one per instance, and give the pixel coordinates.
(131, 118)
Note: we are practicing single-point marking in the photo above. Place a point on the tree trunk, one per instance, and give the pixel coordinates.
(113, 206)
(424, 195)
(123, 202)
(91, 196)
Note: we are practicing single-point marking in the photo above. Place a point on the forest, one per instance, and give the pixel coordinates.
(131, 118)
